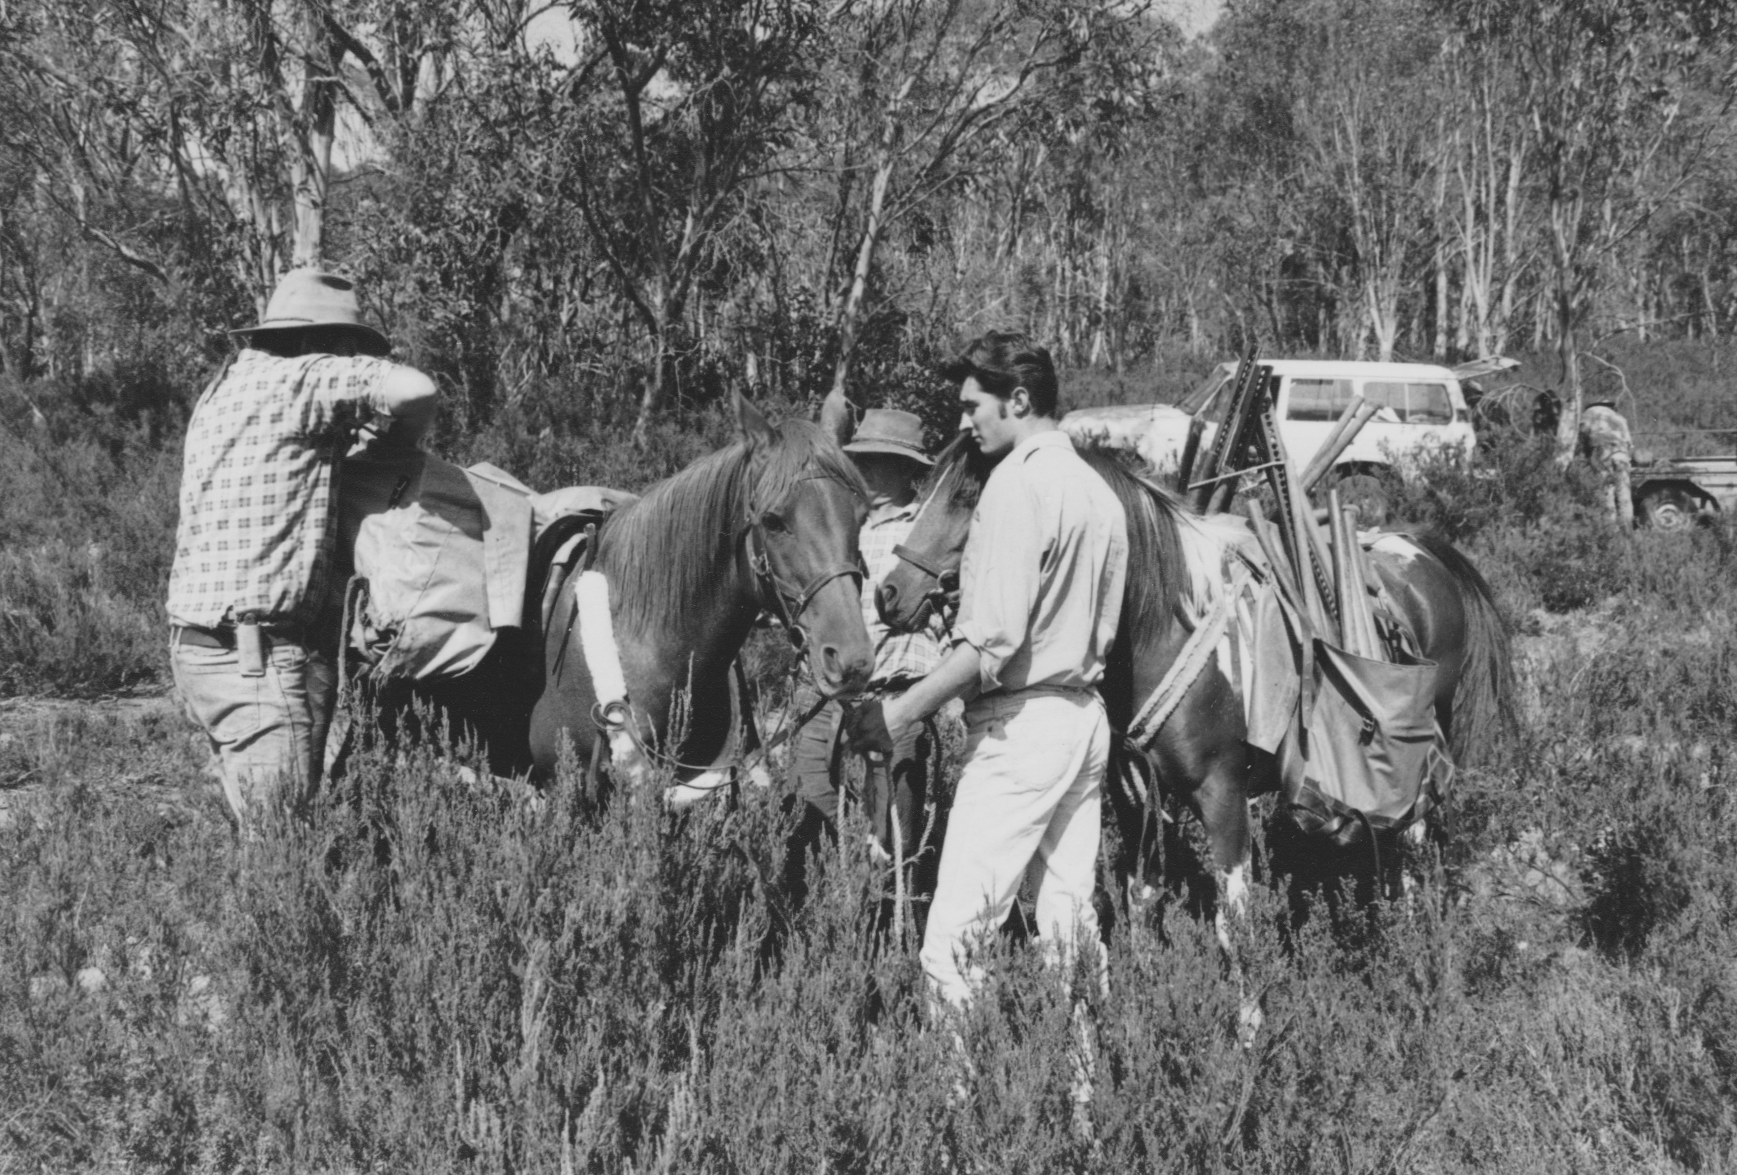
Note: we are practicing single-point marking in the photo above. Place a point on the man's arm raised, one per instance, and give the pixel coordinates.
(411, 398)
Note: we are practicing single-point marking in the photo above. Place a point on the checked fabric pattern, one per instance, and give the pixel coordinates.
(901, 655)
(256, 485)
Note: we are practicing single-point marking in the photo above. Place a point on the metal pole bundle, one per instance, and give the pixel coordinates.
(1324, 573)
(1351, 421)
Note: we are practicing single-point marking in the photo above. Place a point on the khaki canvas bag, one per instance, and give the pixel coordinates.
(443, 552)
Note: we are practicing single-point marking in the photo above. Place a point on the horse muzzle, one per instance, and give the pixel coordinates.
(903, 613)
(841, 674)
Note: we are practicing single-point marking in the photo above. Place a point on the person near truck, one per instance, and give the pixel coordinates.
(1605, 442)
(252, 599)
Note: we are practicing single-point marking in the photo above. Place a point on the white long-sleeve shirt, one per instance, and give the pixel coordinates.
(1045, 566)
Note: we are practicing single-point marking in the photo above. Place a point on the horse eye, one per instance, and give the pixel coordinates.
(772, 522)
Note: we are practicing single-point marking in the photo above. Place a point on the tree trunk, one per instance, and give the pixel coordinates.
(310, 173)
(850, 313)
(1568, 424)
(660, 381)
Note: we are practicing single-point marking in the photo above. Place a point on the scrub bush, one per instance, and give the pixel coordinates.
(424, 971)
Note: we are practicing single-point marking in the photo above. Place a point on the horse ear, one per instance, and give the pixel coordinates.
(751, 423)
(838, 417)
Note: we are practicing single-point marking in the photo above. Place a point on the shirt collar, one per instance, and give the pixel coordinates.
(1049, 438)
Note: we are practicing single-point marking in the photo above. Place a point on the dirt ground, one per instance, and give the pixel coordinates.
(1553, 645)
(34, 722)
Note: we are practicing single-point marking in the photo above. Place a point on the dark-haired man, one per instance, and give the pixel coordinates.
(254, 552)
(1040, 593)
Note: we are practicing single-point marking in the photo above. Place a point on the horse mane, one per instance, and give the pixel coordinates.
(1159, 572)
(667, 550)
(1155, 544)
(960, 470)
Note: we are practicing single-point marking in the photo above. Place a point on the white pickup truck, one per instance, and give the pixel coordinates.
(1422, 411)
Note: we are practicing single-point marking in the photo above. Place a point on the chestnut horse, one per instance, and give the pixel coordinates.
(768, 523)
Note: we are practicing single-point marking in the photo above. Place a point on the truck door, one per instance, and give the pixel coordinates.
(1412, 416)
(1309, 406)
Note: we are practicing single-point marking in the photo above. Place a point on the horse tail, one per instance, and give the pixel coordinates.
(1483, 703)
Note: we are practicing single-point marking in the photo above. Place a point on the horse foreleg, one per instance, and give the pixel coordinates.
(1411, 867)
(1231, 923)
(1224, 813)
(1232, 908)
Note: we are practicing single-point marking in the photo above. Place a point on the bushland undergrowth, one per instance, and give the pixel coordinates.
(416, 972)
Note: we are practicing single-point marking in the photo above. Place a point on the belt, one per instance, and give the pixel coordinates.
(1006, 697)
(223, 637)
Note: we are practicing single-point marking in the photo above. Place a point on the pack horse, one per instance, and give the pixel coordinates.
(1198, 749)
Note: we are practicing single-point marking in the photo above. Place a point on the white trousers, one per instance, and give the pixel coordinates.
(1027, 807)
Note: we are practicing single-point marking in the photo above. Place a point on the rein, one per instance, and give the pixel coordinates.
(773, 595)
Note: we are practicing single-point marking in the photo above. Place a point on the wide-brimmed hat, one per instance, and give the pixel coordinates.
(312, 297)
(887, 430)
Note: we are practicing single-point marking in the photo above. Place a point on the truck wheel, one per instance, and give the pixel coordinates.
(1666, 508)
(1365, 491)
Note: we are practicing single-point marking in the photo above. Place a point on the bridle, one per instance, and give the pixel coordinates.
(946, 578)
(774, 595)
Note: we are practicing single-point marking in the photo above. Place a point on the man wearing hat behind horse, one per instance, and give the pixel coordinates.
(253, 632)
(887, 449)
(1040, 594)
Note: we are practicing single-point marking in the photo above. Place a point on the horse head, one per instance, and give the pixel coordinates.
(928, 568)
(805, 504)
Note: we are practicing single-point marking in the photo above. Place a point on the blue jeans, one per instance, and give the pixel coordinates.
(269, 732)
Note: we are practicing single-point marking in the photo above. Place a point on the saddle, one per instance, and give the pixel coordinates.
(443, 559)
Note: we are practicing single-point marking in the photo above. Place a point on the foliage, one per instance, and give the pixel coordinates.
(426, 972)
(423, 971)
(653, 203)
(87, 515)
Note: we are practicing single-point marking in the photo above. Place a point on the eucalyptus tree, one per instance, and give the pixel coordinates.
(935, 108)
(1602, 83)
(231, 109)
(683, 105)
(1370, 114)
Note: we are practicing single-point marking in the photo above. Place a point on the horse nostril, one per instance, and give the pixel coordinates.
(839, 671)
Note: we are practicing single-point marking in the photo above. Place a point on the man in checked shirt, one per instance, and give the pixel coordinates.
(253, 627)
(887, 449)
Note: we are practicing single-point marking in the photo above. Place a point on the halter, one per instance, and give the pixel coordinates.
(946, 578)
(774, 595)
(946, 582)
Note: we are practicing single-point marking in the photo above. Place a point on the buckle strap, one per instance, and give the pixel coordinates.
(223, 636)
